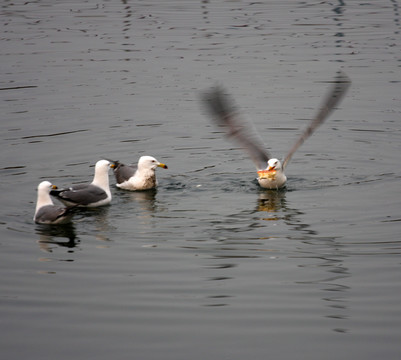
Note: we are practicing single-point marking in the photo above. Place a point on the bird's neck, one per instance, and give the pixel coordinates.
(101, 179)
(146, 172)
(43, 199)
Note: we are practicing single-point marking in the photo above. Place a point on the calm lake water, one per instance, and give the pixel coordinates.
(209, 266)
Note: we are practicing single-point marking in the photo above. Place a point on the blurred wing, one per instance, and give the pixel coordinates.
(224, 113)
(340, 86)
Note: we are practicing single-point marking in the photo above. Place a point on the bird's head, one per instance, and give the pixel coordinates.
(149, 162)
(46, 186)
(273, 165)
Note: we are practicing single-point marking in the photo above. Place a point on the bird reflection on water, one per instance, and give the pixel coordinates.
(59, 235)
(144, 200)
(274, 203)
(271, 201)
(65, 236)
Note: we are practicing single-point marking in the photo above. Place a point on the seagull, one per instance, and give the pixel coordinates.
(270, 170)
(95, 194)
(137, 177)
(48, 213)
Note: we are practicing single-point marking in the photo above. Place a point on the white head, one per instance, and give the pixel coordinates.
(44, 198)
(101, 177)
(274, 164)
(149, 163)
(46, 186)
(102, 166)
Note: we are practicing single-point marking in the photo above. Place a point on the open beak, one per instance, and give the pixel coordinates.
(164, 166)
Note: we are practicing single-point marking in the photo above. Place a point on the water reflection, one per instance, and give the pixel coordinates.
(144, 200)
(127, 23)
(274, 204)
(274, 231)
(331, 261)
(334, 293)
(56, 235)
(396, 12)
(271, 210)
(271, 201)
(96, 222)
(205, 11)
(90, 222)
(339, 9)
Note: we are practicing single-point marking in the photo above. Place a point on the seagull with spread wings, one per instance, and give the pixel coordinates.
(270, 170)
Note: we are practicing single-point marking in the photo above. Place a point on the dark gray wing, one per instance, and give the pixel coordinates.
(225, 113)
(51, 213)
(83, 194)
(123, 172)
(336, 93)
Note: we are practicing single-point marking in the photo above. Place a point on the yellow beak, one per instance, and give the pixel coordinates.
(164, 166)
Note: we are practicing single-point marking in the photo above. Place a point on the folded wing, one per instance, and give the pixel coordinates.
(83, 194)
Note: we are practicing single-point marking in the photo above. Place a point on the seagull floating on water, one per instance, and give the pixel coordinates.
(270, 170)
(95, 194)
(137, 177)
(48, 213)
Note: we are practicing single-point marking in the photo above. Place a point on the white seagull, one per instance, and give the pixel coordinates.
(48, 213)
(270, 170)
(137, 177)
(95, 194)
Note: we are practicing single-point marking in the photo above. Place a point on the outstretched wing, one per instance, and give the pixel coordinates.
(340, 86)
(225, 113)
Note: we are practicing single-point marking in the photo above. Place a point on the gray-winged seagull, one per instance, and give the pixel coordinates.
(95, 194)
(137, 177)
(48, 213)
(270, 170)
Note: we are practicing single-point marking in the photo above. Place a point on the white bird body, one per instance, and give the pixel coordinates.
(273, 176)
(139, 177)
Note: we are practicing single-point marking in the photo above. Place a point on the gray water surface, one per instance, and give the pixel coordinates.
(208, 266)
